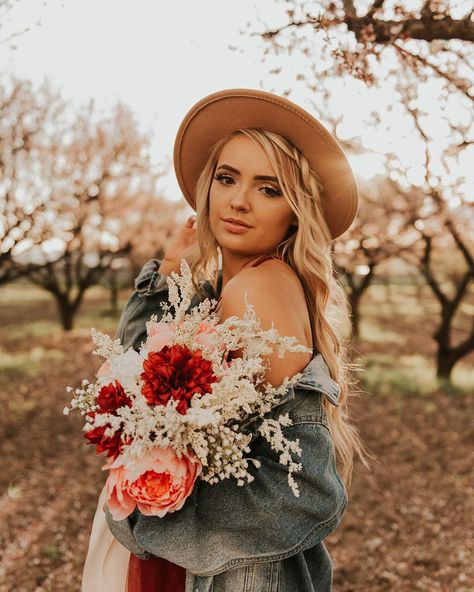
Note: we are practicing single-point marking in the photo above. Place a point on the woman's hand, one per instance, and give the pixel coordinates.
(181, 246)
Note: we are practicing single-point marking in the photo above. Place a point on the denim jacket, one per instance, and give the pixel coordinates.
(258, 537)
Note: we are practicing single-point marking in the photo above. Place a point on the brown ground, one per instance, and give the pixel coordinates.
(408, 525)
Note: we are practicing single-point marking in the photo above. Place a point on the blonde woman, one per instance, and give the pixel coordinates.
(272, 189)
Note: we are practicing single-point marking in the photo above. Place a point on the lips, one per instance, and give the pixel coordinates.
(234, 228)
(237, 222)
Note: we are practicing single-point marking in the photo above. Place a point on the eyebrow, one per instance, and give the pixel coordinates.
(258, 177)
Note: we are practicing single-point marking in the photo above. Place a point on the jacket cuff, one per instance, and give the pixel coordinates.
(150, 281)
(122, 531)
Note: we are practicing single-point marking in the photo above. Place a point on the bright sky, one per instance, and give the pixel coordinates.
(161, 57)
(158, 57)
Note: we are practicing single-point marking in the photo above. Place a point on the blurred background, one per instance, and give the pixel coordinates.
(91, 96)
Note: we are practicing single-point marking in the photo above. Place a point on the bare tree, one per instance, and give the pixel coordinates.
(90, 163)
(430, 39)
(442, 249)
(151, 221)
(9, 35)
(369, 242)
(25, 112)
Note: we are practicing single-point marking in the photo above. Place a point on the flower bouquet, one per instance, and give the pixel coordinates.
(175, 410)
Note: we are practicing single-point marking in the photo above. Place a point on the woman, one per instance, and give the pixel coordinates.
(271, 188)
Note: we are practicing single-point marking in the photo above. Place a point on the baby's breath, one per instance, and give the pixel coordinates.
(214, 424)
(106, 347)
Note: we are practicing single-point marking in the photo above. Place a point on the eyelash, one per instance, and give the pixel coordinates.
(220, 177)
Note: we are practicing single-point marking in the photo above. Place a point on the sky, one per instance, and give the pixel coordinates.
(161, 57)
(158, 57)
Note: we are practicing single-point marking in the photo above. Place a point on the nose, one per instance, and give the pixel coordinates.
(239, 200)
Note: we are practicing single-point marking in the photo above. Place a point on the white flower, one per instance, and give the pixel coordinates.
(127, 368)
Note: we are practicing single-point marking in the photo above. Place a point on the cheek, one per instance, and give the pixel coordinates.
(281, 218)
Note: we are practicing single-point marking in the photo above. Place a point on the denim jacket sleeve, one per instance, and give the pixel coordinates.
(151, 288)
(224, 525)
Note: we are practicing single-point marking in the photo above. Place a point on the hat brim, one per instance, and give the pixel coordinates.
(223, 112)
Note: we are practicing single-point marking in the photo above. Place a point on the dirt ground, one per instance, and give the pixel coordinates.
(408, 525)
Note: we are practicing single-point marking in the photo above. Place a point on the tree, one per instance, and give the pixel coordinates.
(369, 242)
(419, 60)
(428, 38)
(151, 220)
(25, 113)
(90, 162)
(443, 239)
(7, 34)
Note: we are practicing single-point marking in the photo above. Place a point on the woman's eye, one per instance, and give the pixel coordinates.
(273, 192)
(228, 180)
(222, 178)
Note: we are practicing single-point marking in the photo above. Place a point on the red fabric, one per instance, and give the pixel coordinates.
(154, 575)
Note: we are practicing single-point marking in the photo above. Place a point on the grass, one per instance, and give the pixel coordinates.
(373, 333)
(27, 363)
(387, 375)
(52, 552)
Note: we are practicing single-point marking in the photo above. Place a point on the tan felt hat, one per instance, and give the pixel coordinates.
(225, 111)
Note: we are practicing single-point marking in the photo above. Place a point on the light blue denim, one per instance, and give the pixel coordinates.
(258, 537)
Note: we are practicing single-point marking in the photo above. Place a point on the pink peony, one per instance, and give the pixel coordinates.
(157, 483)
(105, 371)
(206, 335)
(119, 501)
(159, 335)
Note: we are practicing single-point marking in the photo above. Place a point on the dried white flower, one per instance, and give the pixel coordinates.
(213, 425)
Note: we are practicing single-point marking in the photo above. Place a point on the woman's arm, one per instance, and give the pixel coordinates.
(151, 287)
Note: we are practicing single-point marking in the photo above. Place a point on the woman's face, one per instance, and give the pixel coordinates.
(245, 188)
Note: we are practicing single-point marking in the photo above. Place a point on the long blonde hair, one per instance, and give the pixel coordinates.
(307, 249)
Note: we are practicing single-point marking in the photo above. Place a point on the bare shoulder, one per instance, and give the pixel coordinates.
(276, 294)
(271, 283)
(269, 275)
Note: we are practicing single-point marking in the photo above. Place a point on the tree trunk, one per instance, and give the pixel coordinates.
(67, 310)
(387, 284)
(445, 361)
(66, 314)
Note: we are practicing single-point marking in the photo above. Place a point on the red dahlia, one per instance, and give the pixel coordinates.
(112, 446)
(176, 371)
(109, 399)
